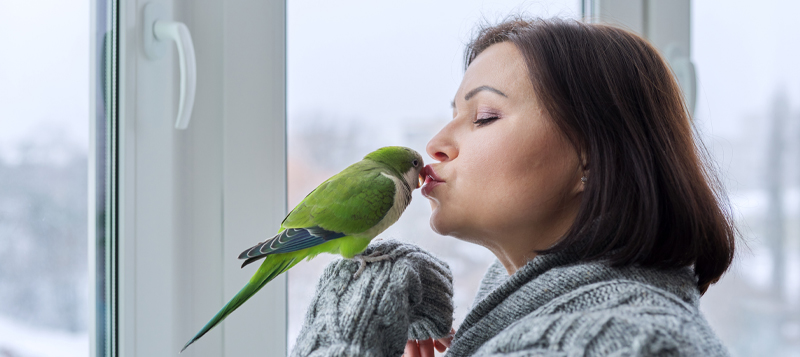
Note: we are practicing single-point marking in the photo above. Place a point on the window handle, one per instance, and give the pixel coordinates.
(157, 35)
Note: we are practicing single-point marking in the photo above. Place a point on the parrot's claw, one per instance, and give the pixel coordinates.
(374, 257)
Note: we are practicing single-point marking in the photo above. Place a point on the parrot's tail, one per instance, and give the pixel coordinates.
(270, 269)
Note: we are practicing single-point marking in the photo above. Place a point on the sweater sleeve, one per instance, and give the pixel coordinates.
(407, 295)
(634, 321)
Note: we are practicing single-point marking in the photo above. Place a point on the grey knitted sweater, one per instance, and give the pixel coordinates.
(553, 306)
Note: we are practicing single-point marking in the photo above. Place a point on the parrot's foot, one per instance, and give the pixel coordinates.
(374, 257)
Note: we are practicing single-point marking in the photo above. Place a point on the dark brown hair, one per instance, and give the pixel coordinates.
(651, 197)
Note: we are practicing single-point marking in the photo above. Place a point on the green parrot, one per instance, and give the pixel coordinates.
(341, 216)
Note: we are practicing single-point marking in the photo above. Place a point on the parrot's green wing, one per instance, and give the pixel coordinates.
(350, 202)
(347, 204)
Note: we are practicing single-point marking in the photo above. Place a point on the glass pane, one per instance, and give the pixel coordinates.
(749, 111)
(44, 107)
(385, 76)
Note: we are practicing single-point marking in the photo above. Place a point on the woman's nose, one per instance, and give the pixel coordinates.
(442, 146)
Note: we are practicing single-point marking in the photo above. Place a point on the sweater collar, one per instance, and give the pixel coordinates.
(547, 277)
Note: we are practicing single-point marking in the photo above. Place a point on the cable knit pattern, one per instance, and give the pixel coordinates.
(556, 306)
(407, 296)
(553, 306)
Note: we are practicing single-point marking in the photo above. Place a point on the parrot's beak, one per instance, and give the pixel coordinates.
(420, 181)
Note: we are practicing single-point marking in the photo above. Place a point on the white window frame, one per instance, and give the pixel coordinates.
(665, 23)
(190, 201)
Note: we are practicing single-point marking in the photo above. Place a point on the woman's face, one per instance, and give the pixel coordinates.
(509, 175)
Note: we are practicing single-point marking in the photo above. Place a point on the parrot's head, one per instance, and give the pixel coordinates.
(406, 163)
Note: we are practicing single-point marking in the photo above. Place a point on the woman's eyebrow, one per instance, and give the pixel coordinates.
(475, 91)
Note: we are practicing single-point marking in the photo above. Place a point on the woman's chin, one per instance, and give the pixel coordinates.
(435, 222)
(441, 224)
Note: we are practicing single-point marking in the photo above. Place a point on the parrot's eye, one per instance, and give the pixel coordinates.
(415, 163)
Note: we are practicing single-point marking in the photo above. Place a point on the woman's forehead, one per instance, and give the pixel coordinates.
(500, 66)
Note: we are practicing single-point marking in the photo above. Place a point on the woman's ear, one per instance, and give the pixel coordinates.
(584, 171)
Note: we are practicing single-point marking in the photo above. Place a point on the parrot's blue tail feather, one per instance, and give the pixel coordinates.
(289, 240)
(252, 260)
(271, 270)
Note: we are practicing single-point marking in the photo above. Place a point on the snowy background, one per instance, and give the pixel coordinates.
(44, 129)
(365, 74)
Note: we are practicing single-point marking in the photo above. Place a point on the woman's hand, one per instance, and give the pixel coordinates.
(424, 348)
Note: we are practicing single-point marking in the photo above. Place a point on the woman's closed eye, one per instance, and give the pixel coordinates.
(486, 115)
(485, 121)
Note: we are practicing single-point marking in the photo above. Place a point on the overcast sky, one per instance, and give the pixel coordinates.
(368, 60)
(744, 51)
(44, 73)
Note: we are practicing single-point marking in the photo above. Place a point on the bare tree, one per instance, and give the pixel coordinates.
(775, 230)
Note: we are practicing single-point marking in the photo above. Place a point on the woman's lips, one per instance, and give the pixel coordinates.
(431, 180)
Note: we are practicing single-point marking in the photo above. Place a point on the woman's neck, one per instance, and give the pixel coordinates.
(515, 249)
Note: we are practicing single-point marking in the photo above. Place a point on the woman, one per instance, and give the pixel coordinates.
(571, 157)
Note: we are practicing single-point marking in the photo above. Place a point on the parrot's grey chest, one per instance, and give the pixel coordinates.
(402, 197)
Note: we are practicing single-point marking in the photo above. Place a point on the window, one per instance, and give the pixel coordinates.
(167, 259)
(168, 211)
(44, 137)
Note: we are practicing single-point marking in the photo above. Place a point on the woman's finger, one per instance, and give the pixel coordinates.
(412, 349)
(439, 346)
(426, 348)
(447, 339)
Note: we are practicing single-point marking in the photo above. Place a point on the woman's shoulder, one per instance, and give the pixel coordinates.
(599, 287)
(587, 284)
(661, 326)
(603, 310)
